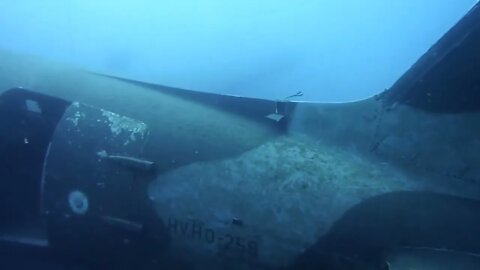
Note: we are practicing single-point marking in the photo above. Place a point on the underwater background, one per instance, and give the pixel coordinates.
(331, 50)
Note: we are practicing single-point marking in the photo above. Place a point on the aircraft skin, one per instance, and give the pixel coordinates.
(358, 185)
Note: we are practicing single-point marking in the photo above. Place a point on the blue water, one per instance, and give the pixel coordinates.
(330, 50)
